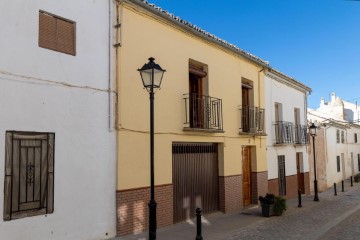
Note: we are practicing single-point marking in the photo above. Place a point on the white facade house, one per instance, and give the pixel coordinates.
(340, 109)
(57, 145)
(286, 104)
(337, 146)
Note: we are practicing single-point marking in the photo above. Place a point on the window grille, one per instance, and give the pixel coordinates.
(29, 174)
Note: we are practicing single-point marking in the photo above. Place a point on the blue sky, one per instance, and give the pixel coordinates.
(316, 42)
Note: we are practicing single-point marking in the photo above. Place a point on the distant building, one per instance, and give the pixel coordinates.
(337, 146)
(340, 109)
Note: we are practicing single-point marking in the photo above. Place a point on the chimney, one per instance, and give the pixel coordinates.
(333, 97)
(322, 102)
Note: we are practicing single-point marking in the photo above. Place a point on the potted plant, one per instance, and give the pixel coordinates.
(280, 205)
(271, 205)
(267, 204)
(357, 177)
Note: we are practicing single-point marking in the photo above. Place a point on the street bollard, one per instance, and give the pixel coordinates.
(351, 181)
(299, 197)
(335, 193)
(198, 225)
(342, 185)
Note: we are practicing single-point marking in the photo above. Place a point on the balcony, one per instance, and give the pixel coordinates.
(203, 113)
(287, 133)
(284, 132)
(252, 120)
(301, 134)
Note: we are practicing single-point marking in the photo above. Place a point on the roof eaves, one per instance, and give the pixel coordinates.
(290, 79)
(197, 31)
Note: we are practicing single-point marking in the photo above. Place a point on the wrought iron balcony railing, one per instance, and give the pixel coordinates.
(301, 134)
(287, 132)
(252, 120)
(203, 112)
(284, 132)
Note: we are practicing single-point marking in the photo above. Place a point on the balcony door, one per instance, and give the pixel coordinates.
(245, 90)
(197, 77)
(196, 101)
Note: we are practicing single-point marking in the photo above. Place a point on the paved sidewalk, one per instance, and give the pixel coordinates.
(315, 220)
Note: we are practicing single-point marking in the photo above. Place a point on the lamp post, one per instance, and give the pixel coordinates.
(312, 129)
(151, 76)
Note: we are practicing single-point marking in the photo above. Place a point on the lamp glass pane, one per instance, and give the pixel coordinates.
(158, 75)
(146, 76)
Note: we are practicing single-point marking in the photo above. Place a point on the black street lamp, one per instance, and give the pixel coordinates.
(312, 129)
(151, 76)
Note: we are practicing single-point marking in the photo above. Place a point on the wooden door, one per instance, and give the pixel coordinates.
(300, 176)
(196, 101)
(282, 175)
(246, 176)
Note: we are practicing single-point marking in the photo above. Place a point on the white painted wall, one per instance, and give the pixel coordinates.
(85, 156)
(353, 147)
(334, 149)
(290, 98)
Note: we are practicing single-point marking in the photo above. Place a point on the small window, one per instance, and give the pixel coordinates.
(355, 137)
(56, 33)
(29, 174)
(342, 137)
(359, 162)
(338, 163)
(337, 136)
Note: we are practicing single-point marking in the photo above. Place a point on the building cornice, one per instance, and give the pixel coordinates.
(211, 38)
(195, 30)
(289, 81)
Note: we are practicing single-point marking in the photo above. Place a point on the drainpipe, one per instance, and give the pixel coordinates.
(111, 68)
(259, 97)
(117, 45)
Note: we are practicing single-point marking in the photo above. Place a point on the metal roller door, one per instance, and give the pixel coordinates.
(195, 179)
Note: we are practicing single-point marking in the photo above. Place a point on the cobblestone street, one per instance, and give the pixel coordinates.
(333, 217)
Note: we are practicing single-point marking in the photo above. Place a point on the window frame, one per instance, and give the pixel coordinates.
(338, 167)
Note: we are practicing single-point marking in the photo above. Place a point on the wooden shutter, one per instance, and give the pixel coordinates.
(65, 37)
(47, 31)
(56, 33)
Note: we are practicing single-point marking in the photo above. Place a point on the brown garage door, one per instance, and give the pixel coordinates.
(195, 179)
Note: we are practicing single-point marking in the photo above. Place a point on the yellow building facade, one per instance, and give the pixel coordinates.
(210, 141)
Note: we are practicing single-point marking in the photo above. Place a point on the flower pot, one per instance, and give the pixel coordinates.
(267, 210)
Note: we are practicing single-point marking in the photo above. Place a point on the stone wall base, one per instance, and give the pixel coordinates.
(259, 185)
(291, 185)
(133, 211)
(230, 193)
